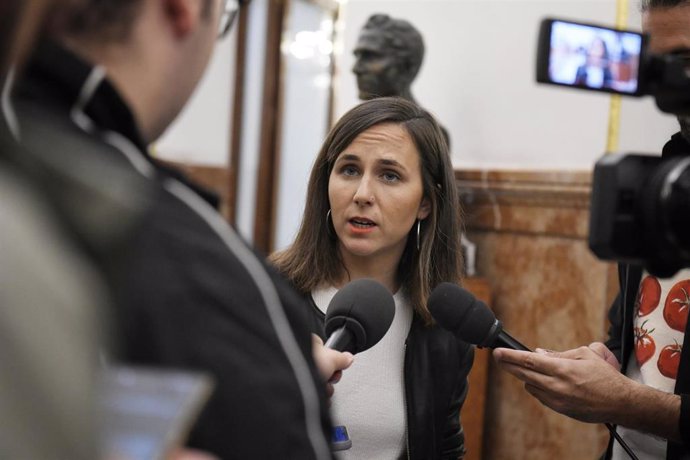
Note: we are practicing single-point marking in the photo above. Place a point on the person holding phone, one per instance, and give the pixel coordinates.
(382, 204)
(187, 292)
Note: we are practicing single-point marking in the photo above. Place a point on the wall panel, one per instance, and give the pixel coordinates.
(549, 290)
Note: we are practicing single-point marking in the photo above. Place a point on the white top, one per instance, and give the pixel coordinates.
(661, 313)
(595, 77)
(370, 398)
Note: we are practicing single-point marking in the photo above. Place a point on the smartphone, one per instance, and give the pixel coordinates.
(145, 412)
(593, 57)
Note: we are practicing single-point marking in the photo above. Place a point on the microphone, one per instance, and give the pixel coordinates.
(468, 318)
(358, 316)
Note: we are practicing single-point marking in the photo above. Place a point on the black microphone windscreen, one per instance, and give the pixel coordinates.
(458, 311)
(367, 307)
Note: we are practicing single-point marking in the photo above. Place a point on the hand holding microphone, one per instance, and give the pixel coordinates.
(358, 316)
(330, 363)
(583, 383)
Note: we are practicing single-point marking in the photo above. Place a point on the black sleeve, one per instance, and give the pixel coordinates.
(187, 302)
(453, 446)
(615, 335)
(685, 421)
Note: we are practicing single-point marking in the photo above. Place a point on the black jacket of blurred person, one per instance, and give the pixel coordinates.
(52, 295)
(190, 295)
(621, 339)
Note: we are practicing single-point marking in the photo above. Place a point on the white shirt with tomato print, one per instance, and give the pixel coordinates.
(661, 314)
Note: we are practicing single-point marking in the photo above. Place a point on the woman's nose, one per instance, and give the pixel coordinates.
(364, 194)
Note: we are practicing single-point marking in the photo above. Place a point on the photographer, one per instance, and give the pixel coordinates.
(650, 397)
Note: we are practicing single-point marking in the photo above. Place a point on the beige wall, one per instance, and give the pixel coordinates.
(478, 78)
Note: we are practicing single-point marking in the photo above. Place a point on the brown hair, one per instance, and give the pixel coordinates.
(313, 259)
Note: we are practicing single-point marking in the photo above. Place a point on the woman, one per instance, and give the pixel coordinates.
(595, 72)
(382, 204)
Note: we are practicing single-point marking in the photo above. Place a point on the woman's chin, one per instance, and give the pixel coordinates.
(358, 249)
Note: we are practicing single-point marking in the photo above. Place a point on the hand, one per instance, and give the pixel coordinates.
(583, 383)
(330, 362)
(190, 454)
(597, 347)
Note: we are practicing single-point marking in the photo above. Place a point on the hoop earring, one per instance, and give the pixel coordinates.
(419, 230)
(329, 225)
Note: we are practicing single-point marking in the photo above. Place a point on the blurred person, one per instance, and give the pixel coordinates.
(52, 296)
(639, 380)
(596, 70)
(188, 293)
(382, 204)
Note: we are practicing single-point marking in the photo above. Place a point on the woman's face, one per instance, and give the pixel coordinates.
(376, 193)
(596, 50)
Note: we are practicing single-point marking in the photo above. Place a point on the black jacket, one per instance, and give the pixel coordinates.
(621, 334)
(436, 368)
(188, 293)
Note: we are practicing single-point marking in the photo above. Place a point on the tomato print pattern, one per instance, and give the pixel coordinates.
(648, 296)
(677, 305)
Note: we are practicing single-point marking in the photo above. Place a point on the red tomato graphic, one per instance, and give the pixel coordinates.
(648, 296)
(677, 305)
(644, 344)
(669, 360)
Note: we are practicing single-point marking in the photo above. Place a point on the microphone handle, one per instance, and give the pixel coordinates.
(504, 340)
(341, 340)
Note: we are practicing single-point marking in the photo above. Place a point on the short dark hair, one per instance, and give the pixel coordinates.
(402, 38)
(105, 20)
(646, 5)
(313, 259)
(102, 20)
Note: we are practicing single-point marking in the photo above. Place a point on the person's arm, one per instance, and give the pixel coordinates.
(586, 385)
(453, 444)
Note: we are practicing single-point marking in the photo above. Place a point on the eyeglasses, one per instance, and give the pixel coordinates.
(227, 17)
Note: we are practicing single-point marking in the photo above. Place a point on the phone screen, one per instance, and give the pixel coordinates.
(592, 57)
(145, 412)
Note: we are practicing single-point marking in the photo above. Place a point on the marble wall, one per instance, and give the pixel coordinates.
(549, 291)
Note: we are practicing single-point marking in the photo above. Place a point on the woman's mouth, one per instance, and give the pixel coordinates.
(361, 223)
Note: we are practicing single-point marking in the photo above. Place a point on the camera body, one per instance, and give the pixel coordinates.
(640, 211)
(640, 207)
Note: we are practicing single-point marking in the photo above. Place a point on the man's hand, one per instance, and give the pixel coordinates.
(583, 383)
(330, 362)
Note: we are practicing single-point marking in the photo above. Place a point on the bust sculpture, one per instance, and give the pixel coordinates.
(388, 56)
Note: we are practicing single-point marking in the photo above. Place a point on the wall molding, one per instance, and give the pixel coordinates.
(540, 202)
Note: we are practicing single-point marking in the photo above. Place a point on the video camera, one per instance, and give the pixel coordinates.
(640, 209)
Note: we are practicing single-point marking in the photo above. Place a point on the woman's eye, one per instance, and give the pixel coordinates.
(349, 171)
(390, 176)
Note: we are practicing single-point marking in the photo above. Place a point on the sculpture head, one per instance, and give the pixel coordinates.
(388, 54)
